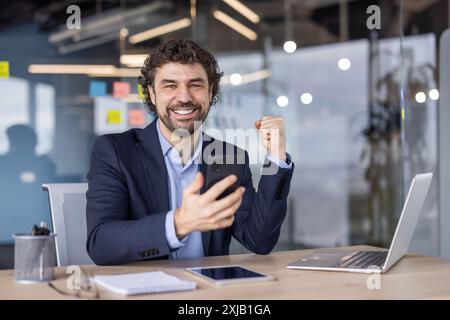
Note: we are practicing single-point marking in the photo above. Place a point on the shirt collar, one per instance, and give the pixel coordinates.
(166, 146)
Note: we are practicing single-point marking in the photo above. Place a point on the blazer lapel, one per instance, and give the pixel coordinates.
(155, 167)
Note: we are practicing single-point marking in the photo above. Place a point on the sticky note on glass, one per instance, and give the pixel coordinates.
(4, 69)
(140, 91)
(113, 116)
(136, 117)
(121, 89)
(97, 88)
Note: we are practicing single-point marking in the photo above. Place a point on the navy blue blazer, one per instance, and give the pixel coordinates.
(128, 199)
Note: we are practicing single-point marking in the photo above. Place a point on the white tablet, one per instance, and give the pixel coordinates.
(228, 274)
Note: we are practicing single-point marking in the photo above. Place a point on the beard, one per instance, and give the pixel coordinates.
(183, 126)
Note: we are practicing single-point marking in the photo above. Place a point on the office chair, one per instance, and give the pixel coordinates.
(68, 210)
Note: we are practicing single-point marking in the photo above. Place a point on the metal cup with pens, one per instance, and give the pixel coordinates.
(34, 255)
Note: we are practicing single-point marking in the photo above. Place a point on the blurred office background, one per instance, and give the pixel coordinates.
(361, 104)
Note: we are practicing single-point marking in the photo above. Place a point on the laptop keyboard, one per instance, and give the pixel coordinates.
(362, 259)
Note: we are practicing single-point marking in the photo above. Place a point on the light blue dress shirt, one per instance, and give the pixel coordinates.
(179, 177)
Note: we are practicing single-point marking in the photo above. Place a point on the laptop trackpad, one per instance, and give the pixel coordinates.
(320, 259)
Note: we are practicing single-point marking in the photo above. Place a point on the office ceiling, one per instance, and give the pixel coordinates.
(313, 21)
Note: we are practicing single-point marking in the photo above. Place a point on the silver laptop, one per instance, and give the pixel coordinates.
(379, 260)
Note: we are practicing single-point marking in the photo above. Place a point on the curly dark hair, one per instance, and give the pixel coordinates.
(182, 51)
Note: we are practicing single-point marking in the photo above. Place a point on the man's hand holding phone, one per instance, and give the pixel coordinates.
(203, 212)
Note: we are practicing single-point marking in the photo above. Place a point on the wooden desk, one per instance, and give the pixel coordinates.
(414, 277)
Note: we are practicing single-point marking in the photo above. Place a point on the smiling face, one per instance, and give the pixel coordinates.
(181, 95)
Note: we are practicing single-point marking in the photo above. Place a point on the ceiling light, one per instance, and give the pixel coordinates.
(433, 94)
(135, 60)
(70, 68)
(290, 46)
(282, 101)
(344, 64)
(158, 31)
(235, 79)
(306, 98)
(421, 97)
(235, 25)
(244, 10)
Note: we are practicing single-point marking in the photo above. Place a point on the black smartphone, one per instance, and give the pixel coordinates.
(218, 171)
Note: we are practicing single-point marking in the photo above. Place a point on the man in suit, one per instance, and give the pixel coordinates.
(146, 197)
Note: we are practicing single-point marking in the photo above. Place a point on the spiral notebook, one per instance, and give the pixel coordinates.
(142, 283)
